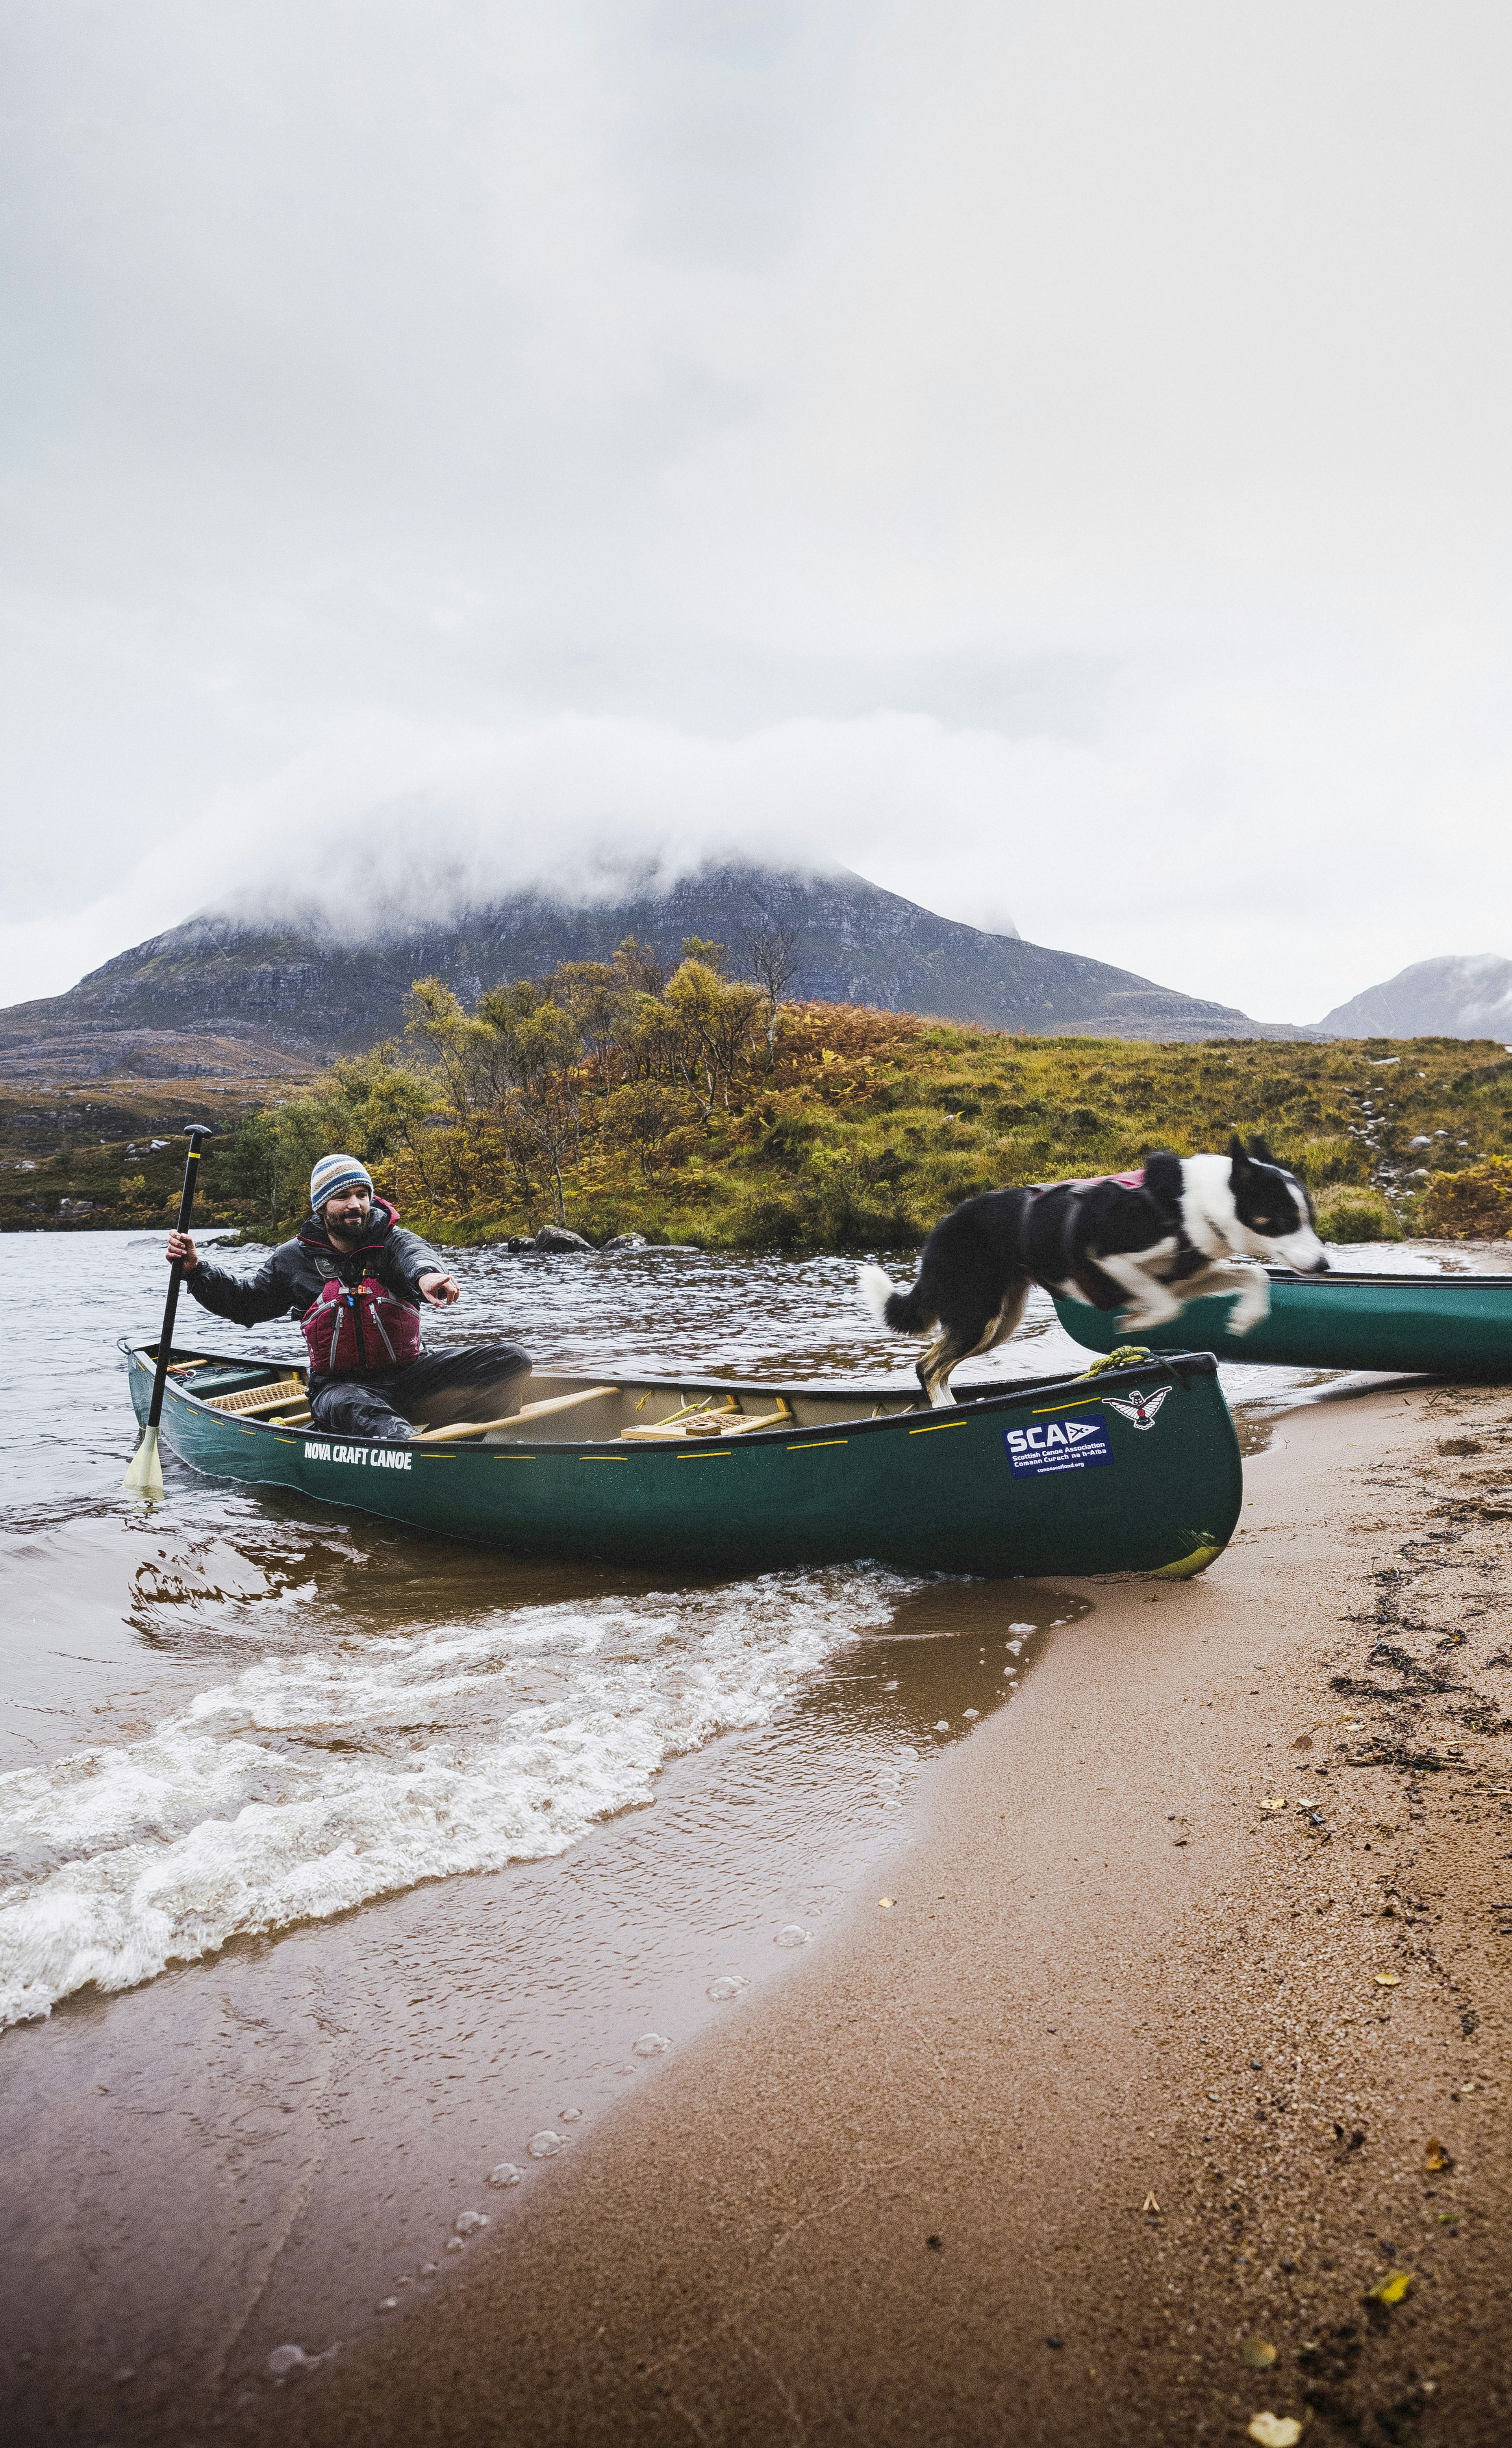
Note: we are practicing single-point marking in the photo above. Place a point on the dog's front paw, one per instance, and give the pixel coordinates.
(1156, 1309)
(1252, 1305)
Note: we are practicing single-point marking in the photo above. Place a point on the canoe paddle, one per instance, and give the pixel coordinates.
(144, 1477)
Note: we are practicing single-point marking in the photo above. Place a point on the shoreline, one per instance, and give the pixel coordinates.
(332, 2095)
(1038, 2151)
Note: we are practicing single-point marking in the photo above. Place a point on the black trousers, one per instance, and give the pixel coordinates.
(440, 1386)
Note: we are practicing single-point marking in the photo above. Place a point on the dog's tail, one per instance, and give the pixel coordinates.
(905, 1312)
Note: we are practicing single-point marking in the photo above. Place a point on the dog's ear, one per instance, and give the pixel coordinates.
(1261, 1152)
(1239, 1160)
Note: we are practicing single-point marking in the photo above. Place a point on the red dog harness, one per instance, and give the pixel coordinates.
(1051, 1251)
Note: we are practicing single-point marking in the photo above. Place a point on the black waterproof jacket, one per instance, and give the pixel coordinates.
(286, 1284)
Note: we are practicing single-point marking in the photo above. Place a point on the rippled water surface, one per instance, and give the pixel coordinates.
(347, 1861)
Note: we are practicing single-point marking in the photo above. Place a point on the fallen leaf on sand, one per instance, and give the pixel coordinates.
(1437, 2161)
(1386, 1980)
(1276, 2430)
(1258, 2353)
(1390, 2288)
(884, 1903)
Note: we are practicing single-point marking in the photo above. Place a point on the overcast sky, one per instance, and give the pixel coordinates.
(1053, 458)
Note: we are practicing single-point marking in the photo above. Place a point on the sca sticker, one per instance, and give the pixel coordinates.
(1065, 1445)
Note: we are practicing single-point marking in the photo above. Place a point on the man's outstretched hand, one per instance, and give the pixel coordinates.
(440, 1290)
(180, 1245)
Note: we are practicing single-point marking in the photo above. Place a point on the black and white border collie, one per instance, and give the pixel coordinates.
(1143, 1243)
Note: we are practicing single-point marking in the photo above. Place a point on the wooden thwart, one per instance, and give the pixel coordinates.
(527, 1413)
(685, 1422)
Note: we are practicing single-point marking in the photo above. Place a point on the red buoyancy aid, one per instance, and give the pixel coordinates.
(352, 1331)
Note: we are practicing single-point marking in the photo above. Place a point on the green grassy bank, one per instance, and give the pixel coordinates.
(690, 1110)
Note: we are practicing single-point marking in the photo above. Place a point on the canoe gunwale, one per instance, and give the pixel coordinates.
(1338, 1276)
(1178, 1366)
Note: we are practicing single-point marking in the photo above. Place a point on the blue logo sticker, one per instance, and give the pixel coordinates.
(1063, 1444)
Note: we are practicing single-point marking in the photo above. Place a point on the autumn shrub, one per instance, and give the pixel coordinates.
(1472, 1205)
(1356, 1213)
(681, 1102)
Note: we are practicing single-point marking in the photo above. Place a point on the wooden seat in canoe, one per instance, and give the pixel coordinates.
(255, 1399)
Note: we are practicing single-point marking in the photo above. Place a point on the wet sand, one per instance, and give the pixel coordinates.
(1135, 2074)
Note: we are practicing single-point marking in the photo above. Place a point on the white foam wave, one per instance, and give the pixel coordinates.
(312, 1783)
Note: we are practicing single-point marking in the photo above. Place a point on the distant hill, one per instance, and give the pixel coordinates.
(1461, 995)
(301, 991)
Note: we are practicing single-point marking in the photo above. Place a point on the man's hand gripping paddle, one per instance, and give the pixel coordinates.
(144, 1477)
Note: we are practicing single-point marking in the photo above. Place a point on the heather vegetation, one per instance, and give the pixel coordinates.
(700, 1106)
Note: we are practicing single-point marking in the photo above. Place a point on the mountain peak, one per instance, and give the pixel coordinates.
(297, 986)
(1458, 994)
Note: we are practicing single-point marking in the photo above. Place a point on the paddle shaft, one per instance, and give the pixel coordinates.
(191, 1171)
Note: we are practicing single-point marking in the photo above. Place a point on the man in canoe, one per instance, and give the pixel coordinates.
(356, 1281)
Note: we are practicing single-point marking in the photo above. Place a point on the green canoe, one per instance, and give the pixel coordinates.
(1135, 1470)
(1449, 1326)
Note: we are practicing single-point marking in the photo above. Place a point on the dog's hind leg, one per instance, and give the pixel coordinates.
(1007, 1321)
(933, 1370)
(957, 1341)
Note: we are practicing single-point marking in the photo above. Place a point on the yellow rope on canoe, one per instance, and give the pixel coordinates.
(1128, 1355)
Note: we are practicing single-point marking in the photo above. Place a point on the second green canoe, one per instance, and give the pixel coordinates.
(1446, 1325)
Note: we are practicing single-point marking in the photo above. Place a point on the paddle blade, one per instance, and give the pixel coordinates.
(144, 1477)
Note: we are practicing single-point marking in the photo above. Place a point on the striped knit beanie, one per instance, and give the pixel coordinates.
(334, 1174)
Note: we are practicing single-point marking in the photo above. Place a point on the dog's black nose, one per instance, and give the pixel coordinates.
(1321, 1266)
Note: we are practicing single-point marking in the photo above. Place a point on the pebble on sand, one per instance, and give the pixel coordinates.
(285, 2360)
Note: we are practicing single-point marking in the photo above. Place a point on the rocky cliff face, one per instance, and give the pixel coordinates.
(306, 993)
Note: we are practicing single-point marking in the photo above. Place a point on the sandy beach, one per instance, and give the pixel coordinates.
(1182, 2031)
